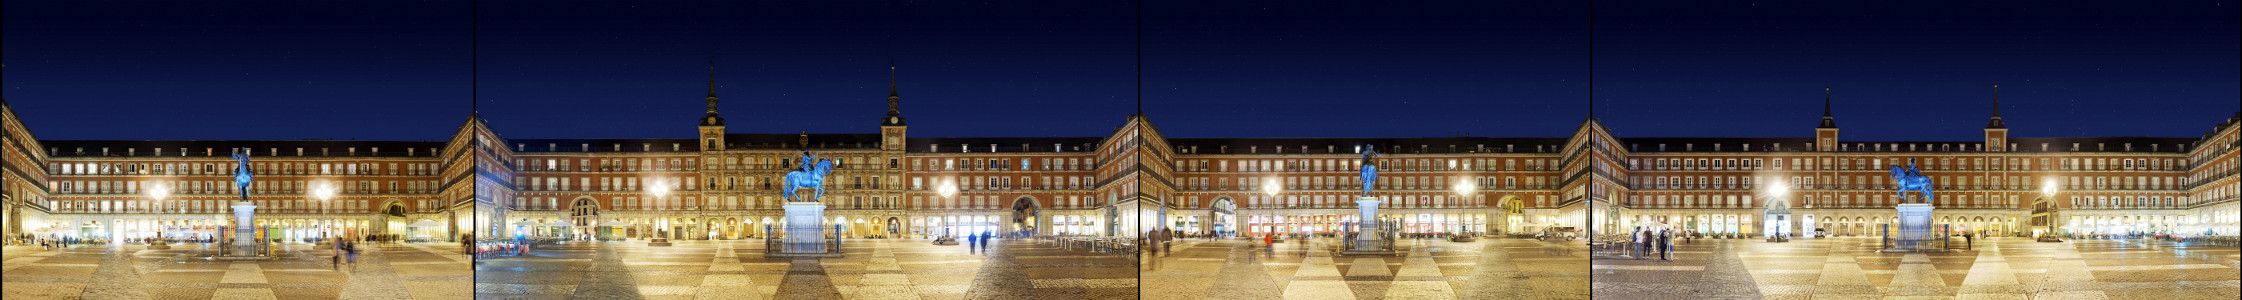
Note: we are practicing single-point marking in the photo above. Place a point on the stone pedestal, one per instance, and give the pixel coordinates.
(1914, 229)
(805, 224)
(245, 229)
(1368, 238)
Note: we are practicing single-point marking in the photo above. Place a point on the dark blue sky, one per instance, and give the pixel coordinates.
(1905, 71)
(408, 70)
(1365, 68)
(637, 70)
(223, 70)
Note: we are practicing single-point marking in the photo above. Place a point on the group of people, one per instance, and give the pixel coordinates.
(978, 241)
(346, 252)
(1654, 240)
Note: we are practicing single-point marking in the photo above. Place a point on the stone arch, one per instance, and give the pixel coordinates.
(1027, 216)
(1513, 213)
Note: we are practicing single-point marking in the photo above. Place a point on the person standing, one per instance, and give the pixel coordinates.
(1665, 245)
(1640, 245)
(972, 242)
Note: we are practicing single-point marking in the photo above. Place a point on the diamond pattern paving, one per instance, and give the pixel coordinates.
(2007, 268)
(1425, 269)
(126, 271)
(873, 269)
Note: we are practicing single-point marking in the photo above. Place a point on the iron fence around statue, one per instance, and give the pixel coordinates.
(829, 240)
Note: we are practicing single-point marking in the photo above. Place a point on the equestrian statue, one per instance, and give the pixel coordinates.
(810, 176)
(242, 173)
(1910, 178)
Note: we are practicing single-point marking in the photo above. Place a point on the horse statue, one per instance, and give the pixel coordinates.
(1910, 179)
(813, 177)
(242, 174)
(1369, 171)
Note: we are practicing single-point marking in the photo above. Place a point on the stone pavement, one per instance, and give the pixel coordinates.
(1426, 269)
(120, 271)
(873, 269)
(1998, 268)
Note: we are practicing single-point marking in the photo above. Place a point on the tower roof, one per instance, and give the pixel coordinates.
(1996, 122)
(1827, 121)
(894, 115)
(712, 119)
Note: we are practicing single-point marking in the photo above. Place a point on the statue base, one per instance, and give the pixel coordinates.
(658, 242)
(159, 245)
(1368, 239)
(1914, 230)
(805, 231)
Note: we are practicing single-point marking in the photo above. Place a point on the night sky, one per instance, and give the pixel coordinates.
(1917, 71)
(1365, 68)
(218, 70)
(638, 70)
(385, 70)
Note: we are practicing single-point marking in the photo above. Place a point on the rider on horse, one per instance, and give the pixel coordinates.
(809, 162)
(1369, 170)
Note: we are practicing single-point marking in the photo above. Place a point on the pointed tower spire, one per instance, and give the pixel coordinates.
(1827, 121)
(894, 115)
(891, 82)
(712, 119)
(1996, 123)
(712, 78)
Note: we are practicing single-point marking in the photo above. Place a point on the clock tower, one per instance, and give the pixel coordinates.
(891, 128)
(712, 126)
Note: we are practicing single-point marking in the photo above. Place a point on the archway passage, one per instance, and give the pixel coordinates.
(393, 219)
(1514, 215)
(583, 217)
(1225, 213)
(1025, 213)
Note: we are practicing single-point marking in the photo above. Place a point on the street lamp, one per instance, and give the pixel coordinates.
(157, 191)
(325, 192)
(1270, 187)
(2048, 190)
(1464, 189)
(660, 190)
(1780, 191)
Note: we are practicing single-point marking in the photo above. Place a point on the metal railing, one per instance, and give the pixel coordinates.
(828, 242)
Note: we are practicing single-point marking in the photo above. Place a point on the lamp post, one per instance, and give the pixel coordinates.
(325, 192)
(1464, 189)
(157, 191)
(1779, 191)
(948, 189)
(1271, 188)
(656, 188)
(2048, 190)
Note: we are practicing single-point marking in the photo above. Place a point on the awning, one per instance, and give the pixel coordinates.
(526, 223)
(613, 223)
(559, 223)
(426, 223)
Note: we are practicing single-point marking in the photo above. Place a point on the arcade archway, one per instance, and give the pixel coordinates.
(1026, 212)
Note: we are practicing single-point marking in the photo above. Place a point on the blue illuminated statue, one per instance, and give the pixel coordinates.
(1369, 171)
(1910, 178)
(807, 160)
(242, 173)
(808, 177)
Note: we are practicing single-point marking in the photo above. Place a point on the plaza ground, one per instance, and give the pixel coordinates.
(1997, 268)
(129, 271)
(1423, 269)
(872, 269)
